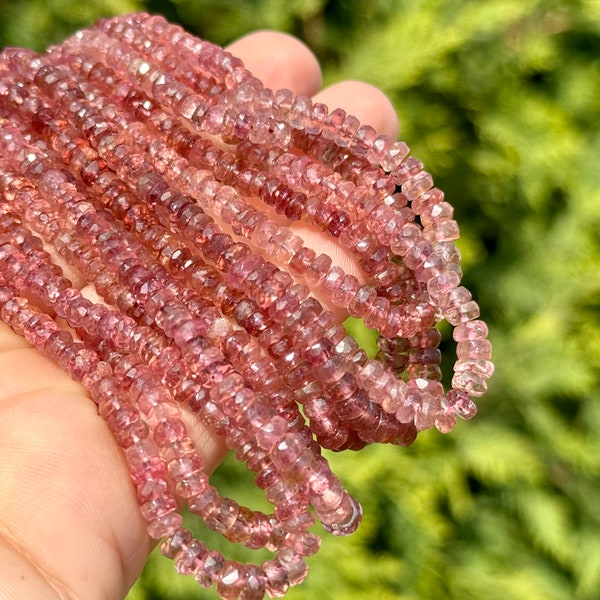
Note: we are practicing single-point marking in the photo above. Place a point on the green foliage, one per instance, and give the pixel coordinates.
(499, 98)
(38, 23)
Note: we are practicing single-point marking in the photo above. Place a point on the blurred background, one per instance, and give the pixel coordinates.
(501, 101)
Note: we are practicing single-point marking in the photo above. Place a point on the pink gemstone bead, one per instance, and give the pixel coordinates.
(206, 565)
(255, 584)
(175, 543)
(192, 557)
(231, 581)
(472, 330)
(345, 519)
(458, 401)
(474, 349)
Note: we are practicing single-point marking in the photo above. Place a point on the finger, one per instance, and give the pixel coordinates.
(280, 61)
(365, 102)
(65, 487)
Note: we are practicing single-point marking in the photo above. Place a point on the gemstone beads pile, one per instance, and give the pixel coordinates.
(154, 168)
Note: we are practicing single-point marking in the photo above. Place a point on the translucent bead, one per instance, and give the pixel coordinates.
(175, 543)
(276, 579)
(474, 349)
(255, 584)
(231, 581)
(472, 330)
(164, 525)
(193, 557)
(458, 401)
(472, 383)
(345, 519)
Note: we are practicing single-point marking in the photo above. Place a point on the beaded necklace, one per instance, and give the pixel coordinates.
(155, 165)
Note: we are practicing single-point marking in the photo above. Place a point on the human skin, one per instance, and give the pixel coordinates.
(70, 526)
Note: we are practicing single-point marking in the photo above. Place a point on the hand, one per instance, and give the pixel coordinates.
(69, 520)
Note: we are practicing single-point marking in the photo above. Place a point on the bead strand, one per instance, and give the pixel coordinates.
(163, 174)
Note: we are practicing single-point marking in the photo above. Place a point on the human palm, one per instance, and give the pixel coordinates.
(69, 520)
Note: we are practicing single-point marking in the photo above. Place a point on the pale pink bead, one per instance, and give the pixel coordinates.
(152, 488)
(39, 330)
(472, 383)
(458, 296)
(184, 466)
(158, 506)
(423, 204)
(271, 433)
(143, 462)
(231, 581)
(276, 579)
(417, 254)
(291, 507)
(407, 237)
(442, 284)
(295, 566)
(380, 389)
(321, 479)
(208, 567)
(286, 453)
(378, 314)
(445, 231)
(280, 492)
(474, 350)
(410, 403)
(445, 422)
(394, 399)
(304, 544)
(434, 213)
(462, 313)
(432, 266)
(427, 411)
(347, 130)
(287, 248)
(164, 525)
(346, 290)
(458, 400)
(345, 519)
(332, 280)
(448, 251)
(318, 270)
(417, 185)
(332, 370)
(188, 330)
(161, 412)
(300, 111)
(485, 368)
(126, 426)
(472, 330)
(331, 123)
(191, 558)
(255, 584)
(379, 149)
(458, 306)
(179, 449)
(175, 543)
(205, 502)
(169, 431)
(192, 485)
(394, 156)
